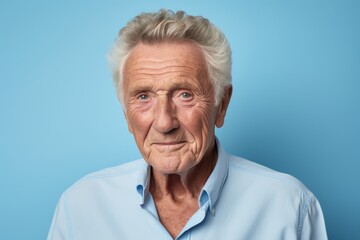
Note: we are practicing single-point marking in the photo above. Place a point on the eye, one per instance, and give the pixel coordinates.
(143, 97)
(185, 95)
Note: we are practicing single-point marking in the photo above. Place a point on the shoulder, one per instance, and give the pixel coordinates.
(269, 189)
(121, 177)
(120, 170)
(106, 194)
(274, 199)
(264, 178)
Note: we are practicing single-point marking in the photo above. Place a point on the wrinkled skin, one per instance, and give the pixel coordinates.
(169, 105)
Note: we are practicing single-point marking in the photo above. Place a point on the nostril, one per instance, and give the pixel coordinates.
(172, 131)
(166, 123)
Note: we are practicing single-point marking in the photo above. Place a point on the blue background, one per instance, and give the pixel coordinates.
(295, 107)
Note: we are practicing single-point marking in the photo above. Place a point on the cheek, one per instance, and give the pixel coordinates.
(139, 121)
(198, 121)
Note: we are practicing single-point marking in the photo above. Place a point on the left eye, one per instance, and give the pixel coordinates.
(185, 95)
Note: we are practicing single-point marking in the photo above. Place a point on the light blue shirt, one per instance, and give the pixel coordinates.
(241, 200)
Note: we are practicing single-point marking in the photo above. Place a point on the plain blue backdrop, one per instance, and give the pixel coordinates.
(295, 106)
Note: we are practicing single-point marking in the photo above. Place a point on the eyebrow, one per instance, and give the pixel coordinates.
(178, 83)
(138, 89)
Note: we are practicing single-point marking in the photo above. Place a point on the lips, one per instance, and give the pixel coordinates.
(168, 143)
(168, 146)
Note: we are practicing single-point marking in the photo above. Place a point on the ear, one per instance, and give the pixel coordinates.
(127, 121)
(223, 105)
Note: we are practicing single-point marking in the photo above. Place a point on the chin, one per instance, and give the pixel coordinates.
(172, 166)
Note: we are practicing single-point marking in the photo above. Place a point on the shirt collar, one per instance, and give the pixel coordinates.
(213, 186)
(211, 190)
(143, 181)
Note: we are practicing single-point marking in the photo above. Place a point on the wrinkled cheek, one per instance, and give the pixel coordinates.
(205, 119)
(206, 131)
(202, 131)
(140, 125)
(138, 120)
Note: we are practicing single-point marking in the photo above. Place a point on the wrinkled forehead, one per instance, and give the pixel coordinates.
(183, 59)
(166, 68)
(181, 50)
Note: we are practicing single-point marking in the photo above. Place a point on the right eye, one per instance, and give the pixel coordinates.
(143, 97)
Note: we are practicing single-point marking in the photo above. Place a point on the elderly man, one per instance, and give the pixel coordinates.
(172, 74)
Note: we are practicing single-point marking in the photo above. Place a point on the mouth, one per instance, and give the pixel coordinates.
(168, 143)
(169, 146)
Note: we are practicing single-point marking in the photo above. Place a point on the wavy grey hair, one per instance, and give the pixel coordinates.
(166, 25)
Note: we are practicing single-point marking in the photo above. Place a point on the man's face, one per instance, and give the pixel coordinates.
(169, 105)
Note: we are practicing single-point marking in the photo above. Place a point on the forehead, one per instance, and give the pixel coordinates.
(167, 60)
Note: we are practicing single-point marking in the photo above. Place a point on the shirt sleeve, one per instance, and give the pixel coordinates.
(60, 226)
(313, 224)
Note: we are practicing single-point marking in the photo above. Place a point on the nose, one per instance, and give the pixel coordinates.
(165, 115)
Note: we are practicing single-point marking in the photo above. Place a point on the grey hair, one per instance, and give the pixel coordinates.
(166, 25)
